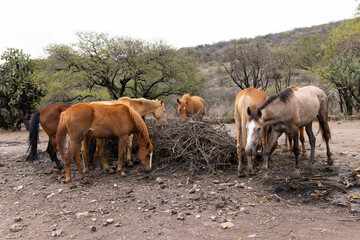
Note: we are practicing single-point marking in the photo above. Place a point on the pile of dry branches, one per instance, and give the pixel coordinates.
(192, 145)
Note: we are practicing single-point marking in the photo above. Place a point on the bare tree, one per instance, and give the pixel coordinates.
(248, 65)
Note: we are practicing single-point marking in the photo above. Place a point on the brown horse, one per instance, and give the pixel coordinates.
(247, 98)
(289, 138)
(189, 106)
(287, 112)
(102, 121)
(143, 107)
(49, 118)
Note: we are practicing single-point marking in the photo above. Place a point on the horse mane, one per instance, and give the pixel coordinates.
(284, 96)
(139, 123)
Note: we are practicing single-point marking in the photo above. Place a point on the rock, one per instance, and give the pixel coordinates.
(226, 225)
(159, 180)
(220, 204)
(213, 218)
(50, 195)
(110, 221)
(80, 215)
(56, 233)
(162, 186)
(180, 217)
(18, 188)
(16, 227)
(115, 185)
(129, 190)
(93, 228)
(192, 191)
(17, 219)
(216, 181)
(240, 185)
(198, 216)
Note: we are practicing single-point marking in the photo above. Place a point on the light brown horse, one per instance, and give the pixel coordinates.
(102, 121)
(287, 112)
(143, 107)
(49, 118)
(247, 98)
(190, 105)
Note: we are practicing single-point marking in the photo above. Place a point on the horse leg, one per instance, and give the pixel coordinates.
(128, 150)
(51, 150)
(269, 145)
(121, 161)
(100, 152)
(74, 151)
(78, 165)
(322, 117)
(290, 138)
(239, 151)
(302, 140)
(312, 141)
(296, 150)
(85, 153)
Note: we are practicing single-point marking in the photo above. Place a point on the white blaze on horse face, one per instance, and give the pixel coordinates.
(252, 137)
(151, 154)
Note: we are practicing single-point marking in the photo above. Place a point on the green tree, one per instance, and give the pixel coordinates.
(125, 66)
(19, 91)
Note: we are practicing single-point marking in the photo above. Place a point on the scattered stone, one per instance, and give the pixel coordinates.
(50, 195)
(220, 204)
(187, 213)
(173, 212)
(159, 180)
(191, 191)
(17, 219)
(198, 216)
(129, 190)
(226, 225)
(216, 181)
(110, 221)
(60, 190)
(115, 185)
(118, 224)
(18, 188)
(240, 185)
(93, 228)
(56, 233)
(162, 186)
(16, 227)
(80, 215)
(180, 217)
(213, 218)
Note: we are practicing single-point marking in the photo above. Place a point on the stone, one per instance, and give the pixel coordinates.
(56, 233)
(16, 227)
(159, 180)
(93, 228)
(226, 225)
(81, 215)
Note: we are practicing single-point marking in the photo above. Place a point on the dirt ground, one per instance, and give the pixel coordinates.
(35, 203)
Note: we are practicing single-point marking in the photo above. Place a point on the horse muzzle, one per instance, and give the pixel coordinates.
(249, 151)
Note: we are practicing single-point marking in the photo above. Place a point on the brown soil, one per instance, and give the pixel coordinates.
(39, 202)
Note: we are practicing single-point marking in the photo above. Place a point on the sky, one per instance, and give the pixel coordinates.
(31, 25)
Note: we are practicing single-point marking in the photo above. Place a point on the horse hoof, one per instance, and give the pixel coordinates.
(251, 172)
(110, 170)
(130, 163)
(241, 174)
(122, 174)
(330, 161)
(72, 186)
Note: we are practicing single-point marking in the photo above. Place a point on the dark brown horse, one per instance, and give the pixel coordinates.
(49, 118)
(287, 112)
(102, 121)
(190, 105)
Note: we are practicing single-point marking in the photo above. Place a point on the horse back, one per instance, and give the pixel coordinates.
(198, 104)
(50, 117)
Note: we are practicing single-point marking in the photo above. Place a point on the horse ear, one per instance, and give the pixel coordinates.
(249, 111)
(161, 102)
(259, 112)
(178, 101)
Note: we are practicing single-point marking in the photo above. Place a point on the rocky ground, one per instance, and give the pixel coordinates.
(35, 203)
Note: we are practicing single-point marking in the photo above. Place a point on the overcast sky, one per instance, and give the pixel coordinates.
(31, 25)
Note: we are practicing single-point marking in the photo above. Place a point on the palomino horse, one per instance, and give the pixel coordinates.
(247, 98)
(102, 121)
(189, 106)
(143, 107)
(287, 112)
(49, 118)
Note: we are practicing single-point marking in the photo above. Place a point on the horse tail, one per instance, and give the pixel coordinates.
(61, 134)
(323, 120)
(33, 136)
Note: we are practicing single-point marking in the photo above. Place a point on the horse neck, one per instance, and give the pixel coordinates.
(141, 132)
(145, 106)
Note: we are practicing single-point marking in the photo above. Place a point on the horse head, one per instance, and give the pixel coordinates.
(160, 113)
(145, 154)
(254, 129)
(183, 105)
